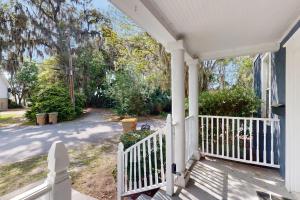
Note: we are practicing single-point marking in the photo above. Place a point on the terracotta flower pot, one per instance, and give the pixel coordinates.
(41, 118)
(129, 124)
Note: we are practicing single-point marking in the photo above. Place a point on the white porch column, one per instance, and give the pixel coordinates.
(193, 104)
(178, 114)
(292, 163)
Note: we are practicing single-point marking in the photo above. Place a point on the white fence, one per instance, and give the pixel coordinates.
(57, 185)
(146, 165)
(249, 140)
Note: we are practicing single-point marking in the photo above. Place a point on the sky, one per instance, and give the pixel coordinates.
(102, 4)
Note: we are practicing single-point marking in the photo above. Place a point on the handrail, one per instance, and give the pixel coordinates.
(246, 118)
(144, 139)
(244, 139)
(147, 164)
(35, 192)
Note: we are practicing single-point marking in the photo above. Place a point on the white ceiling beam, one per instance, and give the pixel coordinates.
(248, 50)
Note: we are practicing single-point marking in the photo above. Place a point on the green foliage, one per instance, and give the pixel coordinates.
(159, 101)
(245, 71)
(129, 94)
(23, 81)
(12, 104)
(130, 138)
(55, 98)
(237, 101)
(132, 96)
(91, 76)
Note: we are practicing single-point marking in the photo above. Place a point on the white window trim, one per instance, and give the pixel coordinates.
(266, 57)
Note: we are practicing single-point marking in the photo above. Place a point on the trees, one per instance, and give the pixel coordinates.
(23, 82)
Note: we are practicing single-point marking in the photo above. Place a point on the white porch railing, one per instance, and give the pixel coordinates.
(248, 140)
(146, 165)
(57, 185)
(189, 142)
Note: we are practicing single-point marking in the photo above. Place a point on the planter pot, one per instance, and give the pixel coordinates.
(41, 118)
(129, 124)
(53, 117)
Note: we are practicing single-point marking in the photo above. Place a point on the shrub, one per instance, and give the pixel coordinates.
(130, 94)
(12, 104)
(160, 101)
(55, 98)
(130, 138)
(238, 101)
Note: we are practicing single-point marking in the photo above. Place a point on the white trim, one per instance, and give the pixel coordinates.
(291, 26)
(266, 57)
(261, 48)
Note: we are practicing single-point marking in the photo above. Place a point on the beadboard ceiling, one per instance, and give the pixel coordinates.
(215, 28)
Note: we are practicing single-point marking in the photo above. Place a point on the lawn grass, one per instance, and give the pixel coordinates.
(12, 118)
(90, 167)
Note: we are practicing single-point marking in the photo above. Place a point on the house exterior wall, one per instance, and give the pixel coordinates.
(277, 98)
(3, 94)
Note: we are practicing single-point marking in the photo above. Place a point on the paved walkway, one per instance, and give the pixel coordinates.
(21, 142)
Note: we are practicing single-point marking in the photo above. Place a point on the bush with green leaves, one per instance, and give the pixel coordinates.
(130, 94)
(160, 101)
(237, 101)
(130, 138)
(55, 98)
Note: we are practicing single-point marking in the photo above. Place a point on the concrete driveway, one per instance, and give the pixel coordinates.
(22, 142)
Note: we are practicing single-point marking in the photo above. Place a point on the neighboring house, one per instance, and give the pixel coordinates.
(269, 83)
(3, 92)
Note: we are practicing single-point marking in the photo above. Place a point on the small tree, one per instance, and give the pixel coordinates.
(24, 81)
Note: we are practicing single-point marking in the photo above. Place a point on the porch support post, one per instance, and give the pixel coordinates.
(193, 104)
(178, 112)
(292, 140)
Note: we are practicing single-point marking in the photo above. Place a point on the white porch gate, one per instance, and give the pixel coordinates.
(248, 140)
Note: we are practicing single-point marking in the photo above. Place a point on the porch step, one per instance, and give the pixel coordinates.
(144, 197)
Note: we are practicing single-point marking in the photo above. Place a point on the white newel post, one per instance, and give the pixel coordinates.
(120, 176)
(193, 104)
(58, 177)
(169, 156)
(178, 113)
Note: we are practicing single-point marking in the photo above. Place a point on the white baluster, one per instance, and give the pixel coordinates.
(238, 138)
(245, 136)
(144, 158)
(233, 139)
(251, 122)
(223, 136)
(139, 165)
(155, 159)
(135, 166)
(227, 137)
(207, 135)
(212, 135)
(125, 171)
(257, 140)
(265, 142)
(130, 169)
(150, 165)
(161, 158)
(218, 136)
(272, 143)
(202, 134)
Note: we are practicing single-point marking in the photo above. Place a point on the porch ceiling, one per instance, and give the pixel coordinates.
(215, 28)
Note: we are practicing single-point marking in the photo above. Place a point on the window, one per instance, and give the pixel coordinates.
(266, 86)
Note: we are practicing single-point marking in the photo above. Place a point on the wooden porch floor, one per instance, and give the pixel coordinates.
(214, 179)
